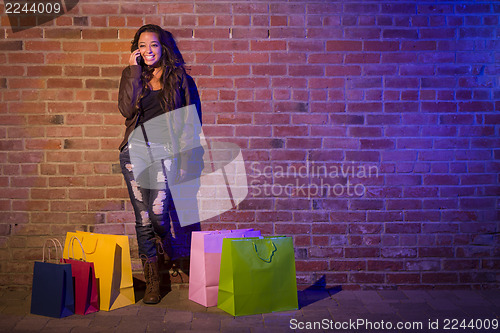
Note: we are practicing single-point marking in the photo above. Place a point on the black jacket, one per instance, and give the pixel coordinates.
(182, 131)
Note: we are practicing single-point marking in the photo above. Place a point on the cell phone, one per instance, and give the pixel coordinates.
(140, 61)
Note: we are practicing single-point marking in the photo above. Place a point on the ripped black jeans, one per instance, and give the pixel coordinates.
(147, 174)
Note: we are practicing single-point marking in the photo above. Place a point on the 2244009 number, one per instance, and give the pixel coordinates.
(472, 324)
(32, 8)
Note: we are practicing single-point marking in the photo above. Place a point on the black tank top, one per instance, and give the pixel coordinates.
(151, 106)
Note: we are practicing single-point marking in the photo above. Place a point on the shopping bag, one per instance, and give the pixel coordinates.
(85, 283)
(52, 289)
(113, 268)
(206, 247)
(257, 275)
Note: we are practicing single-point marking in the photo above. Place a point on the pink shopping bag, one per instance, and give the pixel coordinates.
(206, 248)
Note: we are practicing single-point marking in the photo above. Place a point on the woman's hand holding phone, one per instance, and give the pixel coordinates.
(135, 58)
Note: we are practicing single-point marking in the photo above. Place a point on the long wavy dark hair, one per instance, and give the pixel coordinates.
(171, 61)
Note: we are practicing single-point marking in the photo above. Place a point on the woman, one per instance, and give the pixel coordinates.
(158, 143)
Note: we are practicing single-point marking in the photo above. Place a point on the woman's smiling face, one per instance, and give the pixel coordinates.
(150, 48)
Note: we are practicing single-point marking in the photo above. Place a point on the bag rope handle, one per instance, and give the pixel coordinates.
(54, 241)
(44, 244)
(95, 248)
(272, 252)
(72, 246)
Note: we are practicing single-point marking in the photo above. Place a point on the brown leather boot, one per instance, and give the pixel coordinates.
(152, 294)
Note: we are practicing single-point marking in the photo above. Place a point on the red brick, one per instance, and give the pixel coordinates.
(477, 277)
(490, 264)
(301, 240)
(310, 265)
(271, 70)
(325, 252)
(422, 265)
(476, 131)
(230, 216)
(310, 217)
(364, 32)
(418, 46)
(111, 229)
(461, 264)
(49, 217)
(401, 107)
(290, 229)
(332, 204)
(439, 278)
(419, 216)
(475, 106)
(377, 144)
(366, 204)
(329, 228)
(286, 32)
(477, 203)
(361, 252)
(351, 265)
(397, 252)
(402, 228)
(340, 45)
(397, 58)
(370, 278)
(384, 265)
(403, 278)
(320, 240)
(403, 204)
(68, 206)
(443, 252)
(80, 193)
(273, 216)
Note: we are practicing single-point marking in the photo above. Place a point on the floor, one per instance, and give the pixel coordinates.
(319, 311)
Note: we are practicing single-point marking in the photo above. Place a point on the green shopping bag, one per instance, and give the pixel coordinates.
(257, 275)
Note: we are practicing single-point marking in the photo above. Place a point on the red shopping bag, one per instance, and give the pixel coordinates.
(85, 283)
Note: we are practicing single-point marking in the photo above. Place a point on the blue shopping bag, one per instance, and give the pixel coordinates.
(52, 292)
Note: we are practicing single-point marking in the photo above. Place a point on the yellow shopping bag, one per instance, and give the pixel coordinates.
(113, 269)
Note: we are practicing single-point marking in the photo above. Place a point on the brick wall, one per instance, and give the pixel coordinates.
(369, 129)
